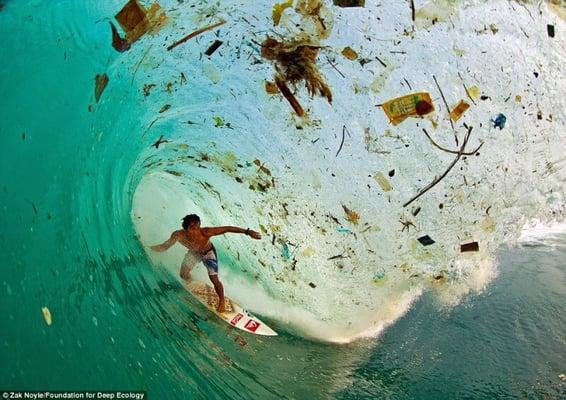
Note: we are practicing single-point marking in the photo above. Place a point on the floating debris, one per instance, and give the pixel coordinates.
(499, 122)
(472, 246)
(350, 3)
(312, 285)
(100, 84)
(349, 53)
(400, 108)
(213, 47)
(196, 33)
(296, 62)
(147, 88)
(159, 142)
(136, 20)
(284, 89)
(211, 72)
(459, 110)
(351, 215)
(46, 315)
(426, 240)
(120, 44)
(278, 9)
(550, 30)
(383, 182)
(164, 108)
(343, 230)
(285, 253)
(271, 87)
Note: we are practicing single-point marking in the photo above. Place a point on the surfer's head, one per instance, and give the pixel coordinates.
(190, 220)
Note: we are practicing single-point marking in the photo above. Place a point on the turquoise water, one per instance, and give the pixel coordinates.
(83, 192)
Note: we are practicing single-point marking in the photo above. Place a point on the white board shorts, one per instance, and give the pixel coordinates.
(209, 260)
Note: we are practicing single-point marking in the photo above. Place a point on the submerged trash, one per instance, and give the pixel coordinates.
(278, 9)
(379, 276)
(343, 230)
(136, 20)
(349, 53)
(285, 253)
(350, 3)
(550, 30)
(284, 89)
(213, 47)
(195, 33)
(383, 182)
(351, 216)
(295, 62)
(459, 110)
(46, 315)
(499, 122)
(120, 44)
(312, 285)
(271, 87)
(100, 82)
(472, 246)
(400, 108)
(426, 240)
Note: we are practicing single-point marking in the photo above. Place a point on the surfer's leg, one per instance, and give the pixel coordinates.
(211, 263)
(185, 272)
(219, 291)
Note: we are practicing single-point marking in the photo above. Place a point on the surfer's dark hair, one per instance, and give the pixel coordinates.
(190, 219)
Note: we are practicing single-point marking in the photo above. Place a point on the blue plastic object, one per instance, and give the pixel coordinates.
(499, 122)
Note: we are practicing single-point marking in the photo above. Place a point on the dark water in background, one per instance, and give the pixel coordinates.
(68, 244)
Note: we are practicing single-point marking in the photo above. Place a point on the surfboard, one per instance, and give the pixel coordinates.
(235, 315)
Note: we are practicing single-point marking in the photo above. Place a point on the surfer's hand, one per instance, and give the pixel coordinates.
(254, 234)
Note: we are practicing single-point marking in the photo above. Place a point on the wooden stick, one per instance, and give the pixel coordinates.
(447, 108)
(466, 89)
(413, 10)
(341, 143)
(436, 180)
(284, 89)
(195, 33)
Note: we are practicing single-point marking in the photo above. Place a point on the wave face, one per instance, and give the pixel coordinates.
(84, 191)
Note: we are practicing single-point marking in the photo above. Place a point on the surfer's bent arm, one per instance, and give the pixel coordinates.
(221, 230)
(165, 245)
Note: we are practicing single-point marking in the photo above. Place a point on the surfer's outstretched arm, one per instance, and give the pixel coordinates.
(221, 230)
(168, 243)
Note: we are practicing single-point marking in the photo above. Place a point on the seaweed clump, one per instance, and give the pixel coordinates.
(296, 62)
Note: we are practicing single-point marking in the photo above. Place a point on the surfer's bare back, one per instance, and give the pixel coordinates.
(197, 239)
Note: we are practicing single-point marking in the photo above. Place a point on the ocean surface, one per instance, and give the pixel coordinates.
(347, 202)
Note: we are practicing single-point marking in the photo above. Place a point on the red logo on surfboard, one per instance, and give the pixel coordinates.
(251, 325)
(238, 317)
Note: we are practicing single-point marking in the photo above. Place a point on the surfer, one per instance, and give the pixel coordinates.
(197, 239)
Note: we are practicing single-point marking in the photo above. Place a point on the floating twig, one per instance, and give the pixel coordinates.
(381, 62)
(334, 66)
(342, 142)
(139, 63)
(195, 33)
(159, 141)
(447, 108)
(436, 180)
(284, 89)
(413, 10)
(448, 150)
(466, 89)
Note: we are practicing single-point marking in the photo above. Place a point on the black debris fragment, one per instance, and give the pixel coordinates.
(426, 240)
(472, 246)
(312, 285)
(213, 47)
(550, 30)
